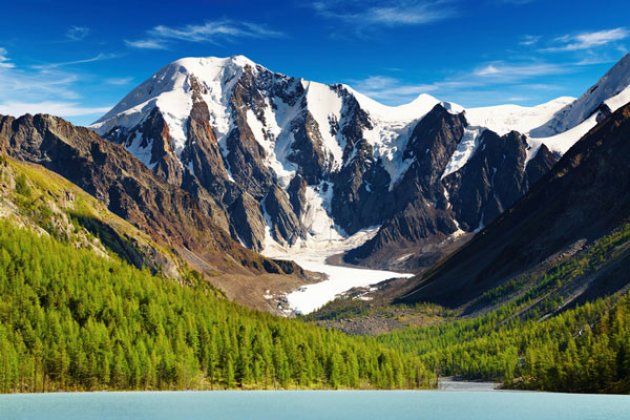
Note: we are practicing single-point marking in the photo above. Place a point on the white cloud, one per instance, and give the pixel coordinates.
(77, 33)
(589, 40)
(119, 81)
(529, 40)
(364, 13)
(147, 44)
(213, 32)
(4, 59)
(500, 71)
(28, 85)
(387, 89)
(98, 57)
(508, 78)
(60, 109)
(50, 90)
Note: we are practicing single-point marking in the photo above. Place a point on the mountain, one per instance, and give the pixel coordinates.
(35, 198)
(291, 163)
(578, 212)
(191, 228)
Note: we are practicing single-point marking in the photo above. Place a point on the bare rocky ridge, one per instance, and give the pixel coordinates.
(171, 216)
(584, 197)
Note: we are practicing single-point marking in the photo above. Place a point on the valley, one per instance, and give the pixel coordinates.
(339, 278)
(225, 226)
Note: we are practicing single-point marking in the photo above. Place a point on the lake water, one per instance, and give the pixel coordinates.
(347, 405)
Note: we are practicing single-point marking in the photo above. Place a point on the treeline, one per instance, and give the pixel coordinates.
(71, 320)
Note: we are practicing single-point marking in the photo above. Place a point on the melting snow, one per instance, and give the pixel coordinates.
(340, 279)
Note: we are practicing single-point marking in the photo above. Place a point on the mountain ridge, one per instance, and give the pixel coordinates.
(189, 227)
(583, 198)
(328, 160)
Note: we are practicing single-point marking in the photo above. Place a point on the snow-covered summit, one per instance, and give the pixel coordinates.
(169, 90)
(612, 90)
(297, 161)
(406, 112)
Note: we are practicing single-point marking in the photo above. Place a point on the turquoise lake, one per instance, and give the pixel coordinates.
(346, 405)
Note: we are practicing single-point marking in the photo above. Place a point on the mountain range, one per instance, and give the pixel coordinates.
(121, 241)
(583, 199)
(287, 164)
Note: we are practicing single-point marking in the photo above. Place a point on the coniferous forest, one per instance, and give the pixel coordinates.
(72, 320)
(582, 350)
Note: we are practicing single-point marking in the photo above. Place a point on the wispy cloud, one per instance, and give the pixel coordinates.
(119, 81)
(4, 59)
(388, 89)
(48, 90)
(60, 109)
(147, 44)
(496, 76)
(507, 72)
(588, 40)
(77, 33)
(529, 40)
(98, 57)
(214, 32)
(366, 13)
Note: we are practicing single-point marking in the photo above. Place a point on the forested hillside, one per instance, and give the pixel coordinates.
(533, 342)
(582, 350)
(72, 320)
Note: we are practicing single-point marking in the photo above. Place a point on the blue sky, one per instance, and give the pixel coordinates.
(76, 58)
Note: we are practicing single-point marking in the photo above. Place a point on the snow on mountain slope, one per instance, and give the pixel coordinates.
(562, 142)
(465, 149)
(505, 118)
(325, 106)
(401, 113)
(169, 90)
(310, 133)
(613, 90)
(391, 128)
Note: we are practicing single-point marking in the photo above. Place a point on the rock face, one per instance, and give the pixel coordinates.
(289, 162)
(171, 216)
(494, 178)
(584, 197)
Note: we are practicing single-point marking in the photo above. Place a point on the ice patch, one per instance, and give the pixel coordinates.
(142, 153)
(465, 149)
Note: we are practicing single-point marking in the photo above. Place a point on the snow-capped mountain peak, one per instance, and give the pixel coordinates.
(292, 162)
(610, 93)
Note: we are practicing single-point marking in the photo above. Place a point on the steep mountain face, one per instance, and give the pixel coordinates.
(290, 163)
(584, 198)
(195, 228)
